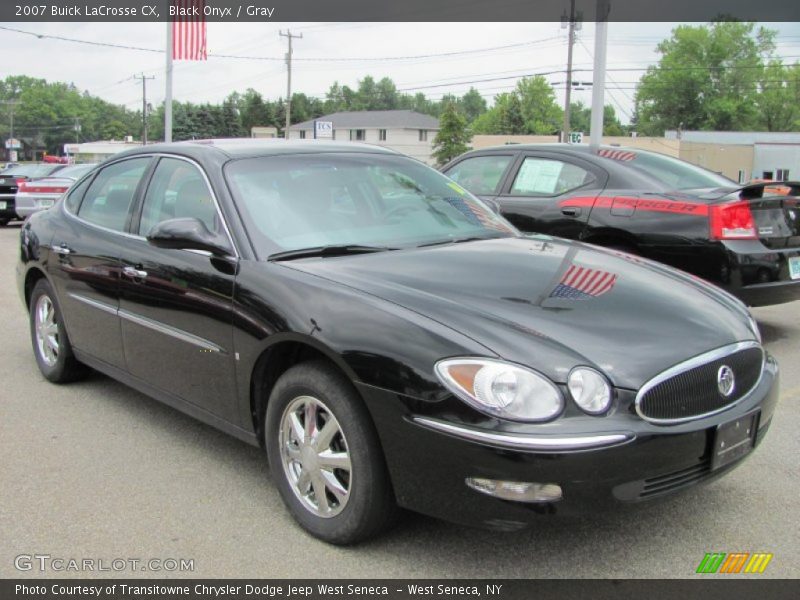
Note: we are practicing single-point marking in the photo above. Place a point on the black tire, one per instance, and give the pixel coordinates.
(370, 506)
(61, 366)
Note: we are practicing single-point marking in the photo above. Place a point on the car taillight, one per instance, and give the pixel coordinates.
(21, 185)
(732, 222)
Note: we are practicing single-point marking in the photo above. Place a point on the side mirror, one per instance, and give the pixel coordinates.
(187, 234)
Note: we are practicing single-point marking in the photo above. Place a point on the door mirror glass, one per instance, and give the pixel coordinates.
(188, 233)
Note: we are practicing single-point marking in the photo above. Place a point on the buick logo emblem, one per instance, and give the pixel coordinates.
(726, 382)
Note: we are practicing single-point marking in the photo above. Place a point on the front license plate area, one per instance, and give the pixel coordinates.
(46, 203)
(733, 440)
(794, 267)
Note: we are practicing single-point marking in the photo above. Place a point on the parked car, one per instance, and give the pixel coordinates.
(10, 178)
(651, 205)
(38, 194)
(388, 339)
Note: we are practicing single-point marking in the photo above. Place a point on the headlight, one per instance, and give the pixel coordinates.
(501, 389)
(590, 390)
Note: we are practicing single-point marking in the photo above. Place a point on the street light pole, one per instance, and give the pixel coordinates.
(599, 81)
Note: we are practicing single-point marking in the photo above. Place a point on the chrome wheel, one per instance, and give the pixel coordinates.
(46, 329)
(315, 456)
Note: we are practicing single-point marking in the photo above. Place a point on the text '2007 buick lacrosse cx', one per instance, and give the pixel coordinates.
(389, 339)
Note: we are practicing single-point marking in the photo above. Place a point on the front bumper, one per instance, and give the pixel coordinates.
(624, 460)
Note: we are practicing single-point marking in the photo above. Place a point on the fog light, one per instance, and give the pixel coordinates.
(518, 491)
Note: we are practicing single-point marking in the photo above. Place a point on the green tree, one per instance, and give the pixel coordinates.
(453, 138)
(472, 104)
(540, 112)
(778, 101)
(707, 78)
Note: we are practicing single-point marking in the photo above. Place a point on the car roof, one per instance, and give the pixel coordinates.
(252, 147)
(554, 147)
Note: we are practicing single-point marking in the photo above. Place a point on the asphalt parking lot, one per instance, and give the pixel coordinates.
(97, 470)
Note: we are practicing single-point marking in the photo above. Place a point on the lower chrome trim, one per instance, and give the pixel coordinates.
(174, 332)
(94, 303)
(179, 334)
(526, 442)
(692, 363)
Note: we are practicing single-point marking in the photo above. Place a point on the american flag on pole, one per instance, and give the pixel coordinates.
(189, 30)
(579, 283)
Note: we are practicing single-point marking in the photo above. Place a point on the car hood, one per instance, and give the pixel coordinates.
(552, 304)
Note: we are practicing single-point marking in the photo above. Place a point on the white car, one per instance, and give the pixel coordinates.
(34, 195)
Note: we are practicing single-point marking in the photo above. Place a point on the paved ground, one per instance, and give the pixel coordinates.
(96, 470)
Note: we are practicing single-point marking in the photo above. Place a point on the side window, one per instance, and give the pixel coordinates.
(480, 175)
(75, 196)
(108, 199)
(177, 190)
(547, 177)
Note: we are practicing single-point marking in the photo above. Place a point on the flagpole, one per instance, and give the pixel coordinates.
(168, 94)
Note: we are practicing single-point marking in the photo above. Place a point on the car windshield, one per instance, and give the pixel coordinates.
(676, 174)
(31, 171)
(313, 200)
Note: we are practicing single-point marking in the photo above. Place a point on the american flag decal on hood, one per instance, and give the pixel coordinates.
(580, 282)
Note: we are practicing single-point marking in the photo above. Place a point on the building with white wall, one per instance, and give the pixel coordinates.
(405, 131)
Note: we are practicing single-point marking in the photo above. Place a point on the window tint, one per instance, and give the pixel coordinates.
(480, 175)
(177, 190)
(76, 194)
(291, 202)
(675, 173)
(546, 177)
(109, 197)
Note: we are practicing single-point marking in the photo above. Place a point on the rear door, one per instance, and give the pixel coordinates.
(84, 263)
(551, 193)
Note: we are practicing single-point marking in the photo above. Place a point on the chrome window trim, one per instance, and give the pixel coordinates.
(140, 237)
(692, 363)
(526, 442)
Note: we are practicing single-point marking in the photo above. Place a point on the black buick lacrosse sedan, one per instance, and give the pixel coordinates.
(387, 338)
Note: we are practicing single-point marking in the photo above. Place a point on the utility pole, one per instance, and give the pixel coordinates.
(144, 104)
(568, 21)
(290, 36)
(77, 130)
(11, 104)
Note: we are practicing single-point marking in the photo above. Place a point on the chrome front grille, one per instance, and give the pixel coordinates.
(690, 390)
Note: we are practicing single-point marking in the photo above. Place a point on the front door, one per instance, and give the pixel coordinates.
(176, 305)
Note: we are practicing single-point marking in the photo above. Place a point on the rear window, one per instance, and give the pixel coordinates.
(31, 171)
(676, 174)
(74, 171)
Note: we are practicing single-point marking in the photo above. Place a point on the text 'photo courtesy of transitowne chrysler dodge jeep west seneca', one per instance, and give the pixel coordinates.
(389, 339)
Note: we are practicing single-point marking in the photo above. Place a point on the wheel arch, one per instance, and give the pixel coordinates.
(610, 237)
(282, 353)
(32, 277)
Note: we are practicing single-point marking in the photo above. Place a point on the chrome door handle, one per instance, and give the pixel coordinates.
(134, 273)
(62, 250)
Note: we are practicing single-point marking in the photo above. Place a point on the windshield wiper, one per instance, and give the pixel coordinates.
(331, 250)
(455, 241)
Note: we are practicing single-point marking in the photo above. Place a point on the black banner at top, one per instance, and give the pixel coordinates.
(397, 10)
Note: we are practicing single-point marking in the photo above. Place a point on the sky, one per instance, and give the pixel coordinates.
(414, 55)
